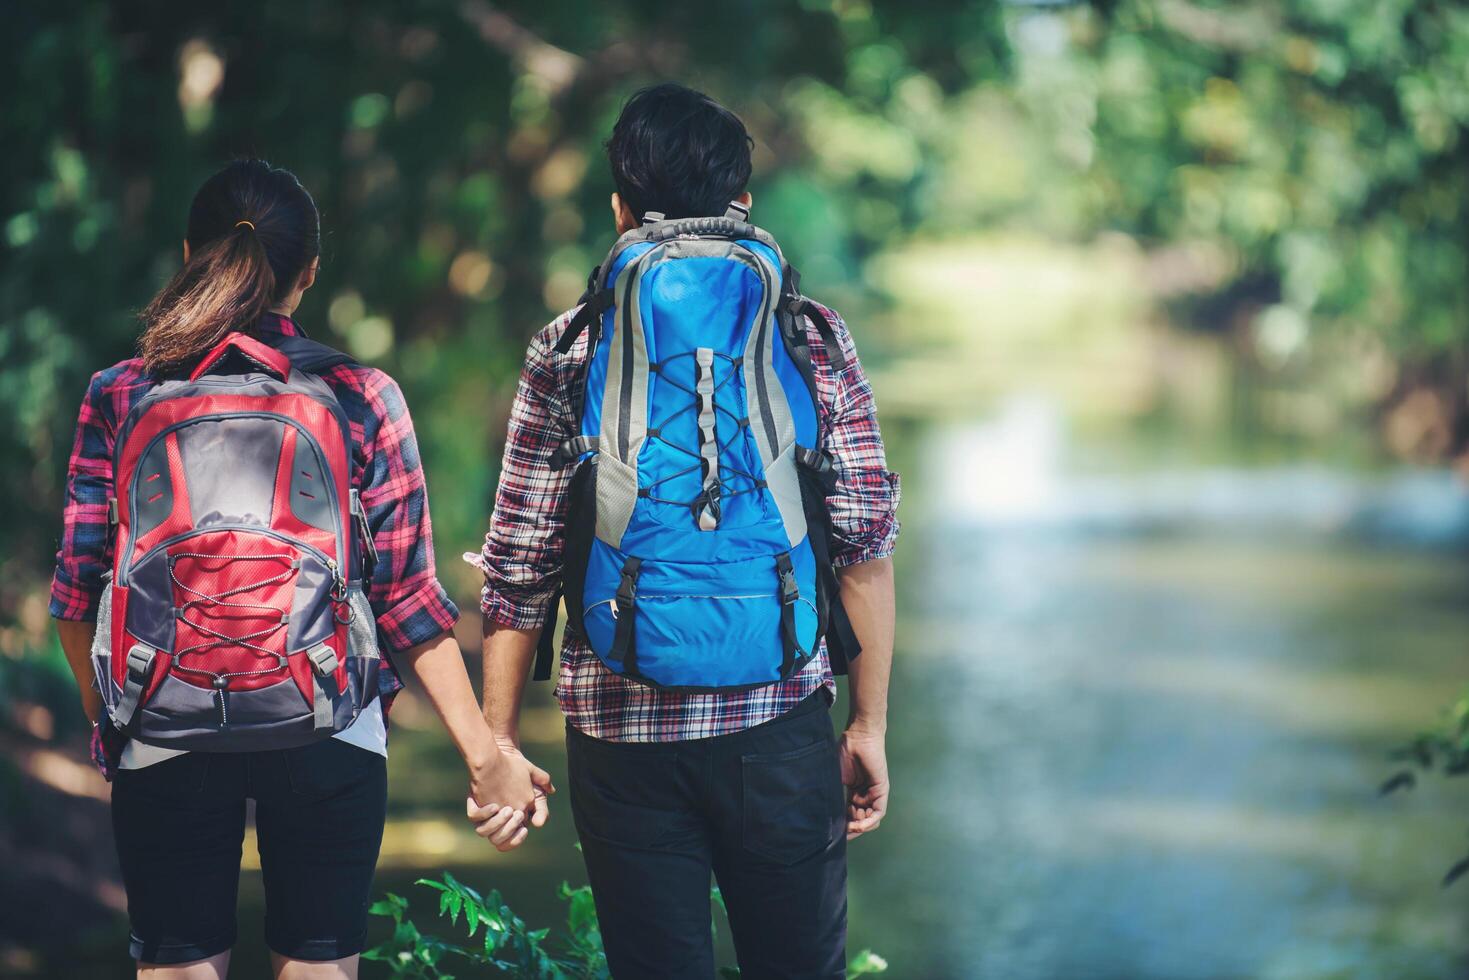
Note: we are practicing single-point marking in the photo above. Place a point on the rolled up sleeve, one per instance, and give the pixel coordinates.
(864, 504)
(409, 603)
(524, 547)
(85, 551)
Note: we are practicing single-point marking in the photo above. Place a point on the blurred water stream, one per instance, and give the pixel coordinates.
(1139, 719)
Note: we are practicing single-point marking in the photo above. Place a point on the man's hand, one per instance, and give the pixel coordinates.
(867, 595)
(865, 775)
(540, 810)
(507, 826)
(501, 794)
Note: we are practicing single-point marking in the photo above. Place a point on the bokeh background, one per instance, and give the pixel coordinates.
(1165, 305)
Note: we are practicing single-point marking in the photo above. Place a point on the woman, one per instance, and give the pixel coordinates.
(251, 250)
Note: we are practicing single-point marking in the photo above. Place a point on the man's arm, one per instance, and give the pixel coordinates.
(867, 595)
(863, 507)
(521, 556)
(507, 656)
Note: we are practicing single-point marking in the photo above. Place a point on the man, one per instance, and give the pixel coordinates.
(667, 785)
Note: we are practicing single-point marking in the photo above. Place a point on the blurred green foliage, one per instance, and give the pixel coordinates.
(1296, 172)
(453, 149)
(1321, 140)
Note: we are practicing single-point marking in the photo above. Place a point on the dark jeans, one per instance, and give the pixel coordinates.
(179, 825)
(762, 809)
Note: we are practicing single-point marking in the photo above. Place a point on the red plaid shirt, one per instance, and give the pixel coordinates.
(522, 553)
(410, 604)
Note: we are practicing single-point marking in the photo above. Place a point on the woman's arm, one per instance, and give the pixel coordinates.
(86, 535)
(415, 616)
(76, 643)
(499, 783)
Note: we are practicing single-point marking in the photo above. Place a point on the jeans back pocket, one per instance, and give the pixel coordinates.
(794, 806)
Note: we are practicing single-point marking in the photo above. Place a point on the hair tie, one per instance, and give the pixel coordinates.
(242, 221)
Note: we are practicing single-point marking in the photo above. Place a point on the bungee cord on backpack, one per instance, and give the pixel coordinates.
(710, 462)
(248, 641)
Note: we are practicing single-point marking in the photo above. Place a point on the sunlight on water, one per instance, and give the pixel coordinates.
(1012, 471)
(1155, 711)
(1004, 471)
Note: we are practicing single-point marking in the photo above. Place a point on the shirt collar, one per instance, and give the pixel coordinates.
(277, 323)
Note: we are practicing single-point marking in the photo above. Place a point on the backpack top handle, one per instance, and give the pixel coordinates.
(267, 358)
(721, 227)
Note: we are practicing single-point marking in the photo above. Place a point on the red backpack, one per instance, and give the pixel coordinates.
(235, 619)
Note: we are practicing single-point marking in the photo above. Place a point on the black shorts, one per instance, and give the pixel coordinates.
(180, 825)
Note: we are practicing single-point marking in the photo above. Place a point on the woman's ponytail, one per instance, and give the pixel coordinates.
(226, 285)
(253, 229)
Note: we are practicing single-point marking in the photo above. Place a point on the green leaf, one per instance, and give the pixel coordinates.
(864, 963)
(471, 916)
(389, 905)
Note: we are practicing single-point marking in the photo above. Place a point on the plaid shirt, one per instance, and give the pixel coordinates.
(522, 554)
(404, 592)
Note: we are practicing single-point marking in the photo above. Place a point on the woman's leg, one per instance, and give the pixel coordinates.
(319, 813)
(214, 968)
(178, 826)
(289, 969)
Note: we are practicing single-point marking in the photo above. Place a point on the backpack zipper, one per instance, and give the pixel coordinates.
(339, 584)
(276, 416)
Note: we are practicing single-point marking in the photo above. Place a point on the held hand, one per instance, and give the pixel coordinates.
(502, 826)
(865, 775)
(540, 778)
(500, 796)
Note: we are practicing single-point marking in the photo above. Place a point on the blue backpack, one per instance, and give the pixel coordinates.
(697, 531)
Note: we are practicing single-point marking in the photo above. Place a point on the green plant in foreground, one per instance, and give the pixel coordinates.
(507, 946)
(1444, 748)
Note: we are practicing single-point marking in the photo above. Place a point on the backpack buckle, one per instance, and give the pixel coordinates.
(323, 659)
(789, 590)
(627, 589)
(140, 659)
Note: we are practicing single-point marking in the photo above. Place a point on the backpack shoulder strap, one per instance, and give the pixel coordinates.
(801, 306)
(794, 305)
(593, 305)
(842, 645)
(307, 355)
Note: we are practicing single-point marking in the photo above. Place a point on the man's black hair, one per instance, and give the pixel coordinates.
(678, 151)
